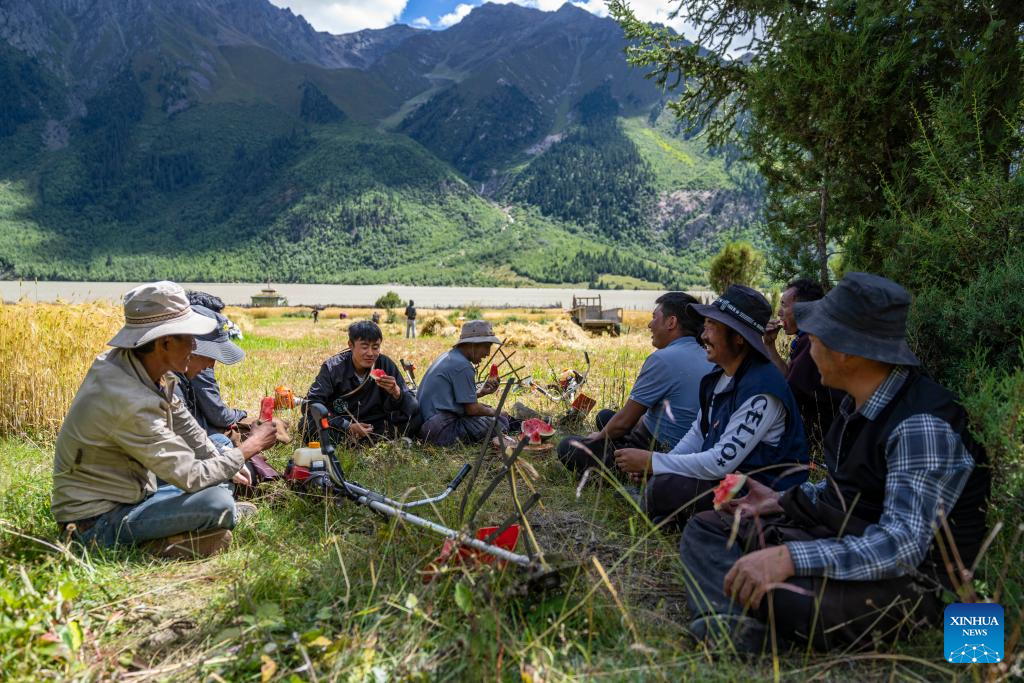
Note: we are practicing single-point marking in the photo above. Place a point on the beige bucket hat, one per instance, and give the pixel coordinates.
(477, 331)
(158, 309)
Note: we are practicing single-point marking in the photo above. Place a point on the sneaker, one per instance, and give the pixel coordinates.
(244, 509)
(745, 634)
(190, 546)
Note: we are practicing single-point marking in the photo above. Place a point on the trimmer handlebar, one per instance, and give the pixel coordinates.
(319, 412)
(460, 476)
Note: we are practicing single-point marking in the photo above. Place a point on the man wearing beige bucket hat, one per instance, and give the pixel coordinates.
(449, 405)
(126, 427)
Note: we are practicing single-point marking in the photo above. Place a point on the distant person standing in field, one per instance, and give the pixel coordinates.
(316, 314)
(126, 427)
(410, 320)
(818, 404)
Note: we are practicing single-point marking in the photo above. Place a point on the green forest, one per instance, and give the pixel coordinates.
(241, 192)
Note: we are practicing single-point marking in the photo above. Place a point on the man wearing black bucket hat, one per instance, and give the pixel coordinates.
(747, 421)
(862, 550)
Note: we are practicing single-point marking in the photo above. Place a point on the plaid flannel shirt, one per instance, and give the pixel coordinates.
(928, 468)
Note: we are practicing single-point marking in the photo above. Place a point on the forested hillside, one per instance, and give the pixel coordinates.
(517, 147)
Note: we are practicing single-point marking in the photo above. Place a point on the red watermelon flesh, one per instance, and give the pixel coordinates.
(377, 373)
(538, 430)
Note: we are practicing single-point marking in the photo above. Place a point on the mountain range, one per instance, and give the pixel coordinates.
(219, 140)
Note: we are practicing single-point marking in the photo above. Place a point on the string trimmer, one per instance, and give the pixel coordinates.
(325, 474)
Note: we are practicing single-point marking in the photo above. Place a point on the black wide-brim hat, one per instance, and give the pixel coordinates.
(742, 309)
(865, 315)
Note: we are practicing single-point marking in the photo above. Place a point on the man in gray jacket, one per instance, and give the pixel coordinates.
(125, 428)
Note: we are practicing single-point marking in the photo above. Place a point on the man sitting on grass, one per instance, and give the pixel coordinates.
(860, 552)
(449, 404)
(817, 403)
(663, 402)
(198, 385)
(363, 391)
(126, 427)
(747, 421)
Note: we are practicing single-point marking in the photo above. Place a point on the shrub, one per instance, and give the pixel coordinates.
(738, 263)
(389, 301)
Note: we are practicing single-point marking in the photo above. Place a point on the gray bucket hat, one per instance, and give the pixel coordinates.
(477, 332)
(217, 344)
(865, 315)
(742, 309)
(158, 309)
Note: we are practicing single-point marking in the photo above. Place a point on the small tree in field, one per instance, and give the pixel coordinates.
(738, 263)
(389, 302)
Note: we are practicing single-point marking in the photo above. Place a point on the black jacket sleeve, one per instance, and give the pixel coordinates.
(211, 405)
(406, 403)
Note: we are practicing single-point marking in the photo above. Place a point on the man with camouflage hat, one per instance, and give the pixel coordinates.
(448, 395)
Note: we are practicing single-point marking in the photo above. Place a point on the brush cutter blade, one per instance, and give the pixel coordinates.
(454, 554)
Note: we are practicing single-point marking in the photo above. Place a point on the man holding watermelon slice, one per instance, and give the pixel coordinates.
(863, 550)
(663, 401)
(362, 389)
(449, 399)
(747, 421)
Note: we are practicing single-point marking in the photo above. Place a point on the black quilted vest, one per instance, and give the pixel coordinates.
(855, 453)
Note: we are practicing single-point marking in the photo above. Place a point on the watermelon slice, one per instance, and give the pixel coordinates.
(377, 373)
(537, 430)
(728, 488)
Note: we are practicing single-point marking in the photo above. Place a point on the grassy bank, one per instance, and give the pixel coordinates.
(314, 591)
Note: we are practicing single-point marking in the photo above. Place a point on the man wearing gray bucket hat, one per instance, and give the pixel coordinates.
(448, 395)
(747, 419)
(126, 427)
(863, 549)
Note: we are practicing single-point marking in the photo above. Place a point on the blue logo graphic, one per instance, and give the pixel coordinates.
(973, 633)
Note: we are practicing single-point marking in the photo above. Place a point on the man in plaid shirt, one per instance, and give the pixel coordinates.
(862, 550)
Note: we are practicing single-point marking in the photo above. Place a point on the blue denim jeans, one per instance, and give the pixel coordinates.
(221, 441)
(167, 512)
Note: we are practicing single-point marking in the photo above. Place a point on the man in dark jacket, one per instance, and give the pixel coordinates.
(818, 404)
(198, 386)
(410, 320)
(861, 550)
(747, 420)
(362, 389)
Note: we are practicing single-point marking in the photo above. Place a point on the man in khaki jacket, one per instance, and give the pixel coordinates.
(125, 428)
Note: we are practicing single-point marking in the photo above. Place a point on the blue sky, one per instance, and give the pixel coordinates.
(345, 16)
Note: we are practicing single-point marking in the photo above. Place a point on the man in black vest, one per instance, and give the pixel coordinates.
(857, 552)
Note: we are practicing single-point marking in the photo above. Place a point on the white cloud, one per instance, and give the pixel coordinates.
(421, 22)
(460, 13)
(345, 16)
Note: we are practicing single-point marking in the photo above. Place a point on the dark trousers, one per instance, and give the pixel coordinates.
(578, 453)
(445, 429)
(675, 498)
(832, 613)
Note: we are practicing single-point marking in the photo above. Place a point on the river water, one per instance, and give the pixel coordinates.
(343, 295)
